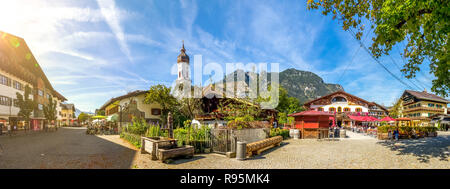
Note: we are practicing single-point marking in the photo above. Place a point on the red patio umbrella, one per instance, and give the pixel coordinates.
(387, 118)
(373, 118)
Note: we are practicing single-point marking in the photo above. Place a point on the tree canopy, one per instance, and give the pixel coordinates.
(50, 112)
(25, 104)
(287, 105)
(161, 94)
(423, 24)
(83, 117)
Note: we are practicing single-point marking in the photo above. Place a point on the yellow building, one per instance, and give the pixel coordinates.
(420, 106)
(67, 114)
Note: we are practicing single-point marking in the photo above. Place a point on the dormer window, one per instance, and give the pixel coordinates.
(338, 99)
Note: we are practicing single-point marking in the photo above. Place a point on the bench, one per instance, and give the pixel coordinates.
(262, 145)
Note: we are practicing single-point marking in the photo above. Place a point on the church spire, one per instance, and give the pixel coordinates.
(183, 57)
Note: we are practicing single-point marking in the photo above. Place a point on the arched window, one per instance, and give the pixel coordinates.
(320, 109)
(358, 110)
(346, 109)
(331, 109)
(338, 99)
(339, 109)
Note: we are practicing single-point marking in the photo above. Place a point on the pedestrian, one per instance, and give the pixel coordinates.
(390, 134)
(1, 128)
(9, 129)
(396, 134)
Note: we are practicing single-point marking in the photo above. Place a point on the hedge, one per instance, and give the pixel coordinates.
(132, 138)
(279, 132)
(386, 128)
(199, 138)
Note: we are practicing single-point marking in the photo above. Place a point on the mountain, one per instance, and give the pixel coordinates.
(306, 85)
(303, 85)
(78, 112)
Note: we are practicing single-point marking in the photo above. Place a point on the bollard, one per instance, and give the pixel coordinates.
(241, 150)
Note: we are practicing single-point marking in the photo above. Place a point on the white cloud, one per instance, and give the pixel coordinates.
(113, 18)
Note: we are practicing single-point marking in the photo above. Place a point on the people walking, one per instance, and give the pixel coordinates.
(396, 134)
(9, 129)
(1, 128)
(390, 134)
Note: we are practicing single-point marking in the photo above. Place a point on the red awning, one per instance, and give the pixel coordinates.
(363, 118)
(356, 118)
(387, 118)
(370, 118)
(309, 113)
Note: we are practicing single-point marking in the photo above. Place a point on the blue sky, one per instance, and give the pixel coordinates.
(94, 50)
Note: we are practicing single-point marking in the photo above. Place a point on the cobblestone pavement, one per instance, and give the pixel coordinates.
(65, 148)
(72, 148)
(366, 153)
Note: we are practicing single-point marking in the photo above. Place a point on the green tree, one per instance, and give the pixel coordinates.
(161, 94)
(423, 24)
(50, 110)
(101, 112)
(287, 105)
(243, 109)
(189, 107)
(394, 112)
(26, 105)
(83, 117)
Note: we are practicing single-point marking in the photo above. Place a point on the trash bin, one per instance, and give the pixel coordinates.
(241, 150)
(296, 133)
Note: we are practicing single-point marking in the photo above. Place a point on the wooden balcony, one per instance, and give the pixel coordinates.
(427, 109)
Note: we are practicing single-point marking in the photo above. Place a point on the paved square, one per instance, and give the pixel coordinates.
(72, 148)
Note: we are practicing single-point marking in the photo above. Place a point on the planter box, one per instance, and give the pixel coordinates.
(152, 145)
(383, 136)
(185, 151)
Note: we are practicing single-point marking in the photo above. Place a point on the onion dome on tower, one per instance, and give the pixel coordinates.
(183, 57)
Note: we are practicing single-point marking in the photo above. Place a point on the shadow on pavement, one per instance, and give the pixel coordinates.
(261, 156)
(181, 161)
(423, 149)
(66, 148)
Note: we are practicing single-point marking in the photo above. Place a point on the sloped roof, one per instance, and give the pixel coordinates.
(427, 96)
(310, 113)
(68, 106)
(130, 94)
(382, 107)
(20, 61)
(338, 92)
(59, 96)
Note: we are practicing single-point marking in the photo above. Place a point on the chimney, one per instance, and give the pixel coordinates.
(424, 90)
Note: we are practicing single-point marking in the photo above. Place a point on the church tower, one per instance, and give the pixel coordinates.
(183, 82)
(183, 67)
